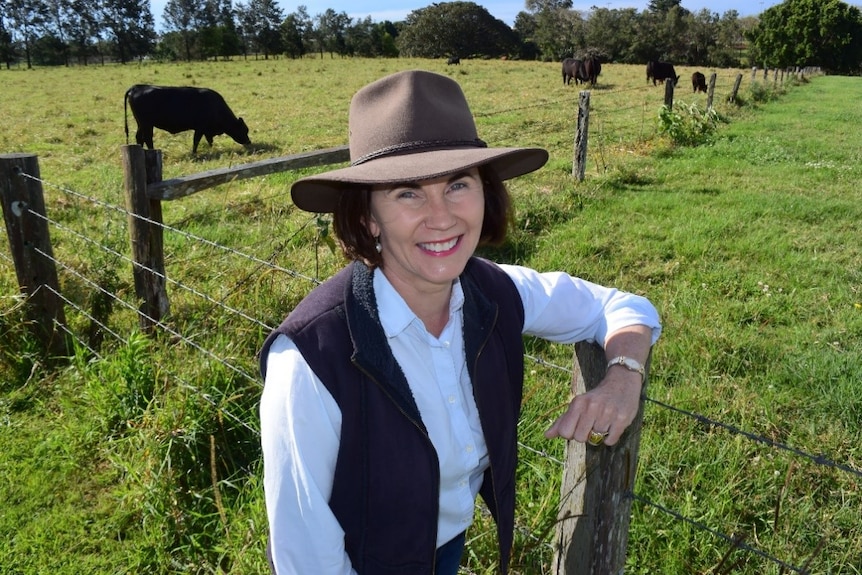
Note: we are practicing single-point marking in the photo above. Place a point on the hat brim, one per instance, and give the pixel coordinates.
(320, 192)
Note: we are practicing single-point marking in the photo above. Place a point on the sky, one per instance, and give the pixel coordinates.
(505, 10)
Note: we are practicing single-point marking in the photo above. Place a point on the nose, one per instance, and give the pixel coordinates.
(439, 215)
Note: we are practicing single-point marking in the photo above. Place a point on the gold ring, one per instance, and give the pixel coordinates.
(596, 438)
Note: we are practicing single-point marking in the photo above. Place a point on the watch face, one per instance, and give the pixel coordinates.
(631, 364)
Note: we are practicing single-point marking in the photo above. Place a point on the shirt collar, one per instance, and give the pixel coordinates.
(395, 315)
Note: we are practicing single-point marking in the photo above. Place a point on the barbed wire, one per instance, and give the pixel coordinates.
(150, 270)
(818, 459)
(198, 391)
(737, 542)
(153, 321)
(187, 235)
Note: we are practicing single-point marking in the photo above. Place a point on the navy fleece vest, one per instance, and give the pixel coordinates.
(386, 486)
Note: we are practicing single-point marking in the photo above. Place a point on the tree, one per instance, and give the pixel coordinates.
(183, 16)
(461, 29)
(609, 33)
(663, 6)
(260, 26)
(130, 26)
(27, 17)
(729, 42)
(7, 47)
(826, 33)
(560, 31)
(330, 31)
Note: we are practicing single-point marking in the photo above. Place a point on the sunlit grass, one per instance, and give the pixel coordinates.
(748, 247)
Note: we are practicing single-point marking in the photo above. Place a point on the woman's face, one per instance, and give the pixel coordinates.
(428, 229)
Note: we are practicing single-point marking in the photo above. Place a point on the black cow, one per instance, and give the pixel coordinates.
(698, 82)
(573, 69)
(177, 109)
(660, 71)
(592, 68)
(453, 60)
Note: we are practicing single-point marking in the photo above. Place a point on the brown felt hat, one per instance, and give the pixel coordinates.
(406, 127)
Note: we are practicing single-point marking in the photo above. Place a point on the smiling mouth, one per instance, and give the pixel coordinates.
(440, 247)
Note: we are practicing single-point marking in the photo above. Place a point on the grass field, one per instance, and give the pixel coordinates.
(144, 459)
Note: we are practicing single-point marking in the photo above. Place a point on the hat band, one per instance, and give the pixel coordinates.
(420, 145)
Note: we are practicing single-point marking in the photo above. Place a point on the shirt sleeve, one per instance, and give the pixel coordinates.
(300, 434)
(567, 309)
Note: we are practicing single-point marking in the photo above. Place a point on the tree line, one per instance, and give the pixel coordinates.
(825, 33)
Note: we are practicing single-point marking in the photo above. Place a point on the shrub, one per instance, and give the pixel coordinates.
(687, 125)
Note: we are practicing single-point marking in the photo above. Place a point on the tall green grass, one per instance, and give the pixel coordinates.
(145, 458)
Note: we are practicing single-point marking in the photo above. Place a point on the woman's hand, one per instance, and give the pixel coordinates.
(611, 406)
(608, 408)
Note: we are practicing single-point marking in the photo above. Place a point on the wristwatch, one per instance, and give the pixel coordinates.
(628, 363)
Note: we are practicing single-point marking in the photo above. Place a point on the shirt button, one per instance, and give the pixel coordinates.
(446, 344)
(451, 399)
(469, 449)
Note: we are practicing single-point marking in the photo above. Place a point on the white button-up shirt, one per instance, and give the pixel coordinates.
(301, 423)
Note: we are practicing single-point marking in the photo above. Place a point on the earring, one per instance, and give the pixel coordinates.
(377, 245)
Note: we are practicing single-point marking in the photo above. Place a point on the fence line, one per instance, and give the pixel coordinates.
(819, 460)
(539, 361)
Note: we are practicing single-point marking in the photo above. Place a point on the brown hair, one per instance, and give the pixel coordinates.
(354, 210)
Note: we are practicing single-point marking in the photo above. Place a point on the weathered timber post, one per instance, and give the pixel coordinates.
(580, 164)
(141, 168)
(595, 500)
(732, 97)
(710, 91)
(669, 85)
(754, 73)
(24, 212)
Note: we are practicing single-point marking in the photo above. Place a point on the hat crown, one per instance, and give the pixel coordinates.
(409, 112)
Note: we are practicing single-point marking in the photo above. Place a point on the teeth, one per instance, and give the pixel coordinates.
(440, 246)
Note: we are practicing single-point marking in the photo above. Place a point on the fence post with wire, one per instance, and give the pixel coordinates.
(145, 190)
(23, 203)
(596, 493)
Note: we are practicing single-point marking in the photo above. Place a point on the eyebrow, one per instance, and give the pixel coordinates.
(415, 184)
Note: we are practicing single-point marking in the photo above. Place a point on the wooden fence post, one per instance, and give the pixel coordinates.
(710, 91)
(595, 502)
(669, 85)
(24, 212)
(732, 97)
(580, 164)
(146, 233)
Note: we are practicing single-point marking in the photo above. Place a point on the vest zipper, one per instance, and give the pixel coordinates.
(433, 451)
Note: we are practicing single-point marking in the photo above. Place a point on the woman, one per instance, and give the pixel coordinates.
(393, 389)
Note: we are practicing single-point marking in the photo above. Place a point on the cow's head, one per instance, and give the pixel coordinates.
(239, 133)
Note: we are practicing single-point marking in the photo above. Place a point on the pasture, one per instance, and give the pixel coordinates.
(140, 455)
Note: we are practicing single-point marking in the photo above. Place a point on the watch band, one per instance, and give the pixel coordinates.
(628, 363)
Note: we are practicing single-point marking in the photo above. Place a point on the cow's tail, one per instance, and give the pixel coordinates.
(126, 113)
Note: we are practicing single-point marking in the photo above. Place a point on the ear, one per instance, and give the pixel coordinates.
(371, 225)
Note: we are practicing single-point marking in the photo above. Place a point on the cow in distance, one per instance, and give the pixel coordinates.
(698, 82)
(658, 72)
(177, 109)
(573, 69)
(592, 67)
(453, 60)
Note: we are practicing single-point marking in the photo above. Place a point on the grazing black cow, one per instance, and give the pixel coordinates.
(698, 82)
(177, 109)
(592, 68)
(573, 69)
(453, 60)
(660, 71)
